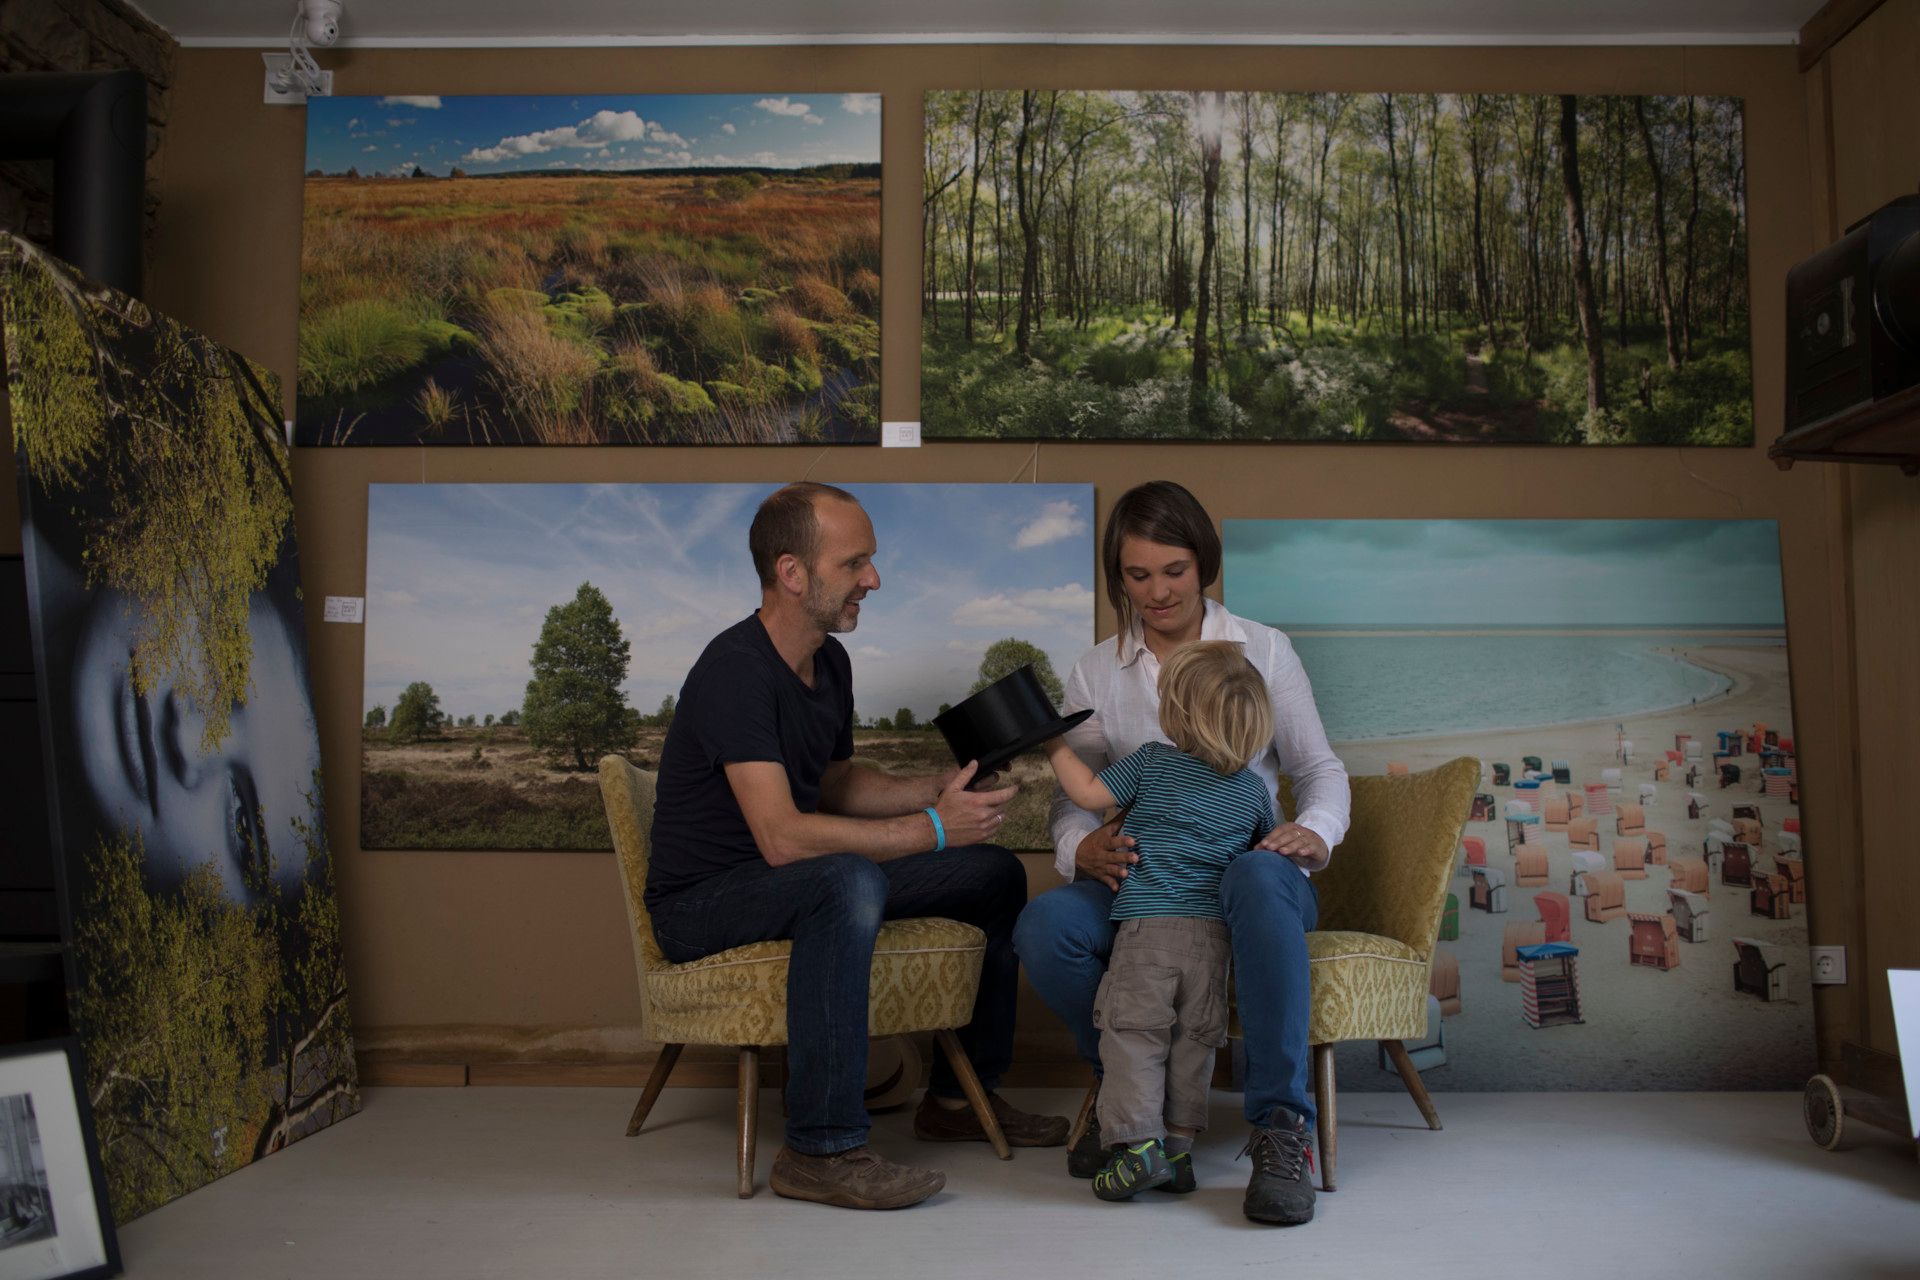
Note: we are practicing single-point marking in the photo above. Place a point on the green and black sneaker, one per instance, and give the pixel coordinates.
(1183, 1180)
(1133, 1169)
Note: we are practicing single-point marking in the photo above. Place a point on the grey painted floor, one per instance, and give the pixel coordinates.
(474, 1183)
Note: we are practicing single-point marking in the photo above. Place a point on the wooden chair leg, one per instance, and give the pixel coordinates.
(1085, 1117)
(749, 1114)
(970, 1084)
(656, 1081)
(1415, 1085)
(1325, 1102)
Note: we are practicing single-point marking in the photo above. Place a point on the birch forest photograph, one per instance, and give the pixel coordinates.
(1501, 268)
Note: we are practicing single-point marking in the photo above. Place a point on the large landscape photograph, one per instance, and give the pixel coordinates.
(1428, 267)
(1624, 684)
(517, 633)
(663, 268)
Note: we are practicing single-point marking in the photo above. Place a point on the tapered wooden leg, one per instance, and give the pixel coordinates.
(1081, 1121)
(970, 1084)
(749, 1114)
(1415, 1085)
(1325, 1102)
(662, 1068)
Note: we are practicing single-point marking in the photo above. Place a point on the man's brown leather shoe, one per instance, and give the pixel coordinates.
(935, 1123)
(856, 1179)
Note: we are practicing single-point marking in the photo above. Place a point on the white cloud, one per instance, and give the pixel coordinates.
(728, 129)
(860, 104)
(870, 651)
(371, 146)
(1057, 520)
(810, 118)
(784, 107)
(656, 134)
(399, 599)
(395, 122)
(353, 123)
(1031, 608)
(597, 130)
(425, 102)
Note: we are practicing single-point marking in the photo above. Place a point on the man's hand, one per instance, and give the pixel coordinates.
(1105, 855)
(1291, 840)
(971, 817)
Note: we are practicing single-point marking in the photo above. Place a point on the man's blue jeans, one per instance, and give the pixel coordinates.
(1064, 938)
(831, 907)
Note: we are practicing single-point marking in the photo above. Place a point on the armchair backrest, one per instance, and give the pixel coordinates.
(1390, 875)
(628, 794)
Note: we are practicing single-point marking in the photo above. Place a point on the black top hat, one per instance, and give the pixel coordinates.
(1009, 716)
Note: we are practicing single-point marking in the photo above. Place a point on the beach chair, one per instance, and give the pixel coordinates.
(1630, 820)
(1653, 940)
(1789, 842)
(1647, 794)
(1770, 896)
(1549, 984)
(1522, 828)
(1583, 833)
(1680, 741)
(1512, 938)
(1530, 866)
(1776, 783)
(1482, 809)
(1532, 763)
(1557, 812)
(1729, 776)
(1599, 800)
(1397, 769)
(1562, 772)
(1736, 864)
(1576, 803)
(1443, 981)
(1476, 851)
(1744, 810)
(1720, 827)
(1612, 778)
(1450, 919)
(1656, 847)
(1489, 891)
(1796, 873)
(1747, 831)
(1502, 774)
(1630, 858)
(1693, 775)
(1690, 875)
(1425, 1053)
(1556, 913)
(1790, 824)
(1606, 896)
(1761, 969)
(1692, 912)
(1662, 772)
(1697, 804)
(1584, 865)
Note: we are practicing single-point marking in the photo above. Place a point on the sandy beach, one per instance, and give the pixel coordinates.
(1644, 1028)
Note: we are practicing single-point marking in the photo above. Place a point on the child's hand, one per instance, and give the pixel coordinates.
(1291, 840)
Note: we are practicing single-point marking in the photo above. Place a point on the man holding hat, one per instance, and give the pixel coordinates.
(765, 829)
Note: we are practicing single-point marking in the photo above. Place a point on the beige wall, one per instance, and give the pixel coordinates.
(465, 957)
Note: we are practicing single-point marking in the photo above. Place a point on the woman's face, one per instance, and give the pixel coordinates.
(144, 768)
(1163, 586)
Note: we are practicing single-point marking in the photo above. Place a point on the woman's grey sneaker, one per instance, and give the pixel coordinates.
(1089, 1155)
(1281, 1188)
(856, 1179)
(1183, 1179)
(1133, 1169)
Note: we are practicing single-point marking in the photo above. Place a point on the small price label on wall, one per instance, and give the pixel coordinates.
(899, 435)
(346, 609)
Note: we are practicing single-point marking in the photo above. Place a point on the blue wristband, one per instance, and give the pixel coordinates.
(939, 831)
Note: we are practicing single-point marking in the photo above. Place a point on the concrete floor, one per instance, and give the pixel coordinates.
(473, 1183)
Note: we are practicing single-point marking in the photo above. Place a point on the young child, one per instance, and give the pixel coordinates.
(1192, 808)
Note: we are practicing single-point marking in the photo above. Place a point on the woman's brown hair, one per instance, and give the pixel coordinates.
(1163, 512)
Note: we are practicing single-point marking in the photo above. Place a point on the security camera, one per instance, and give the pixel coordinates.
(322, 20)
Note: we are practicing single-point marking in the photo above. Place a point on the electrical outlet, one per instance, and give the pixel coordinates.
(277, 64)
(1829, 966)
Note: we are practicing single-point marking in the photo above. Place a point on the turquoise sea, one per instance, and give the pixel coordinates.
(1398, 685)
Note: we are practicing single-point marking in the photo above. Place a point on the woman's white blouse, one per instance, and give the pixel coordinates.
(1119, 679)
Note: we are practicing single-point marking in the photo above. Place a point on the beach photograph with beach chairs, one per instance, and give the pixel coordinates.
(1628, 909)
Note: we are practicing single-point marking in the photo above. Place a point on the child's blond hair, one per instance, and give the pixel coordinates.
(1214, 705)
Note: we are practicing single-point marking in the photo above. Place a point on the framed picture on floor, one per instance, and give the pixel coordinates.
(54, 1220)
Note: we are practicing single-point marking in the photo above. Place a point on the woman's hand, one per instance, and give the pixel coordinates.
(1291, 840)
(1105, 855)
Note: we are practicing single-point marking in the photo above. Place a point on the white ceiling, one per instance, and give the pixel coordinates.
(577, 22)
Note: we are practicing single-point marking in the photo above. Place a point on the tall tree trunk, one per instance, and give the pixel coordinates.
(973, 208)
(1209, 188)
(1736, 187)
(1477, 164)
(1399, 211)
(1693, 219)
(1662, 293)
(1247, 105)
(1319, 214)
(1582, 268)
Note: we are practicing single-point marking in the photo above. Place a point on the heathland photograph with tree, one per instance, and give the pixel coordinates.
(517, 633)
(1552, 269)
(631, 269)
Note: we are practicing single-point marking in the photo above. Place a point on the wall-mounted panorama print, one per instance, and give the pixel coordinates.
(1318, 266)
(591, 269)
(163, 586)
(1624, 684)
(516, 633)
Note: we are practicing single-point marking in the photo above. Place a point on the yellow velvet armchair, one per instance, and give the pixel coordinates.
(926, 973)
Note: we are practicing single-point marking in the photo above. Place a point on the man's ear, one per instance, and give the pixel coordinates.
(791, 574)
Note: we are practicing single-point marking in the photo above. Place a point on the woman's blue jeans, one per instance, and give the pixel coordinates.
(1064, 938)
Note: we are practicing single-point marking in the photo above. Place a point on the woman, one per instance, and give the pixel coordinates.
(1159, 554)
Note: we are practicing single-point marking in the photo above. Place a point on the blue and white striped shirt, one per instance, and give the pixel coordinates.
(1189, 823)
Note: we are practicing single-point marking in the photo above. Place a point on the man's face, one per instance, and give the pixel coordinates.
(842, 573)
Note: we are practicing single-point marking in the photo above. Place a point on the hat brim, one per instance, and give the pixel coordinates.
(1001, 757)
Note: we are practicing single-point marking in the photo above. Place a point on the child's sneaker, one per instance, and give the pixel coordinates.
(1183, 1180)
(1132, 1169)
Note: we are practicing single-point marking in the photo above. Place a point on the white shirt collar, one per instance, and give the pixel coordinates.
(1215, 624)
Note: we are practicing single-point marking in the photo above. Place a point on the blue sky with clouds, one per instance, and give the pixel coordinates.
(499, 134)
(1571, 573)
(460, 578)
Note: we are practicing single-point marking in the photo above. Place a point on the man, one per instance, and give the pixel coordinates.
(764, 828)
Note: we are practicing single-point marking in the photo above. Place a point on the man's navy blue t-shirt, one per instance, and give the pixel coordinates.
(741, 703)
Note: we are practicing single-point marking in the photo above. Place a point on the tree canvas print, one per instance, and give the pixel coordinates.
(163, 585)
(1446, 268)
(1625, 687)
(575, 269)
(516, 633)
